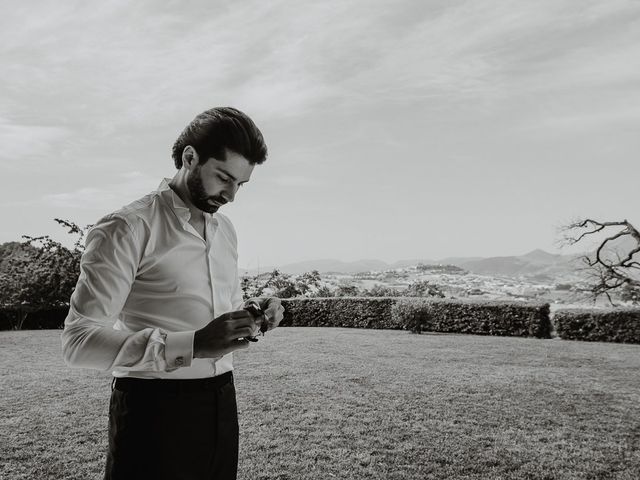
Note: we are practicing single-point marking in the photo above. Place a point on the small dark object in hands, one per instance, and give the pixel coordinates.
(255, 310)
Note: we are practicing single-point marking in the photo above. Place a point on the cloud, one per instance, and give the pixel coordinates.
(22, 143)
(602, 119)
(104, 198)
(284, 59)
(352, 89)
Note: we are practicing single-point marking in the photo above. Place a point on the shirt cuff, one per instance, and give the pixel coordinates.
(178, 349)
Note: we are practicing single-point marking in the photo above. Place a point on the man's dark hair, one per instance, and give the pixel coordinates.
(217, 129)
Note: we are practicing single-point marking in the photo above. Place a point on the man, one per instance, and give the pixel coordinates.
(158, 302)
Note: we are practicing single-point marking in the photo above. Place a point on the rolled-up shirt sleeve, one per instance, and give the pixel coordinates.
(108, 268)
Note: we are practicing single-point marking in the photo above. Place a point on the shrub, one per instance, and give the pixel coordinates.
(38, 274)
(412, 315)
(631, 294)
(417, 314)
(423, 288)
(338, 312)
(281, 285)
(484, 318)
(51, 318)
(351, 291)
(612, 325)
(381, 291)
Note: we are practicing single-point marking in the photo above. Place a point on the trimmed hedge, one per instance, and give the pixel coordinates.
(402, 313)
(504, 318)
(419, 314)
(38, 320)
(362, 312)
(612, 325)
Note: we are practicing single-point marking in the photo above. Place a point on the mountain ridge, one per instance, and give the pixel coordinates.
(535, 262)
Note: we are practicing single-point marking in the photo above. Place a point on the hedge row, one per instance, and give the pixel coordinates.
(42, 319)
(418, 314)
(363, 312)
(619, 325)
(504, 318)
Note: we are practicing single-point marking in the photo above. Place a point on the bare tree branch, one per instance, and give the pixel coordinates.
(613, 271)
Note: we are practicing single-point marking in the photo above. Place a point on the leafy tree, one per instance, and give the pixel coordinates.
(308, 281)
(10, 250)
(249, 286)
(281, 285)
(42, 275)
(631, 294)
(347, 291)
(382, 291)
(447, 268)
(419, 288)
(323, 291)
(423, 288)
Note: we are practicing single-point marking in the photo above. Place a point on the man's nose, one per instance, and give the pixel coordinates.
(229, 193)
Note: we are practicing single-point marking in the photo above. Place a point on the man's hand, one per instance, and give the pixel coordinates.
(272, 308)
(222, 335)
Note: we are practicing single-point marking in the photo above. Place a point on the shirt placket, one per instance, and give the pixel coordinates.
(209, 244)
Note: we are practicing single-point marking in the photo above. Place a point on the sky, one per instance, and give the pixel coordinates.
(396, 130)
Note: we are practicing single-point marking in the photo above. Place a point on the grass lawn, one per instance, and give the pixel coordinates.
(322, 403)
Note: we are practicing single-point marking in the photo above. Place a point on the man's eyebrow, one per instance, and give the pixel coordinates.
(228, 174)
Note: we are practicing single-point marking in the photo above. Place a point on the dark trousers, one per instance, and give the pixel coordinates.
(173, 429)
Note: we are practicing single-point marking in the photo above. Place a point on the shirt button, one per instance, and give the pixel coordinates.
(179, 361)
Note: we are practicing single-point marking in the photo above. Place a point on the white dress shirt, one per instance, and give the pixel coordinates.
(148, 281)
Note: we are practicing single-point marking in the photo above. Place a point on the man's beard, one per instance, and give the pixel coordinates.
(199, 197)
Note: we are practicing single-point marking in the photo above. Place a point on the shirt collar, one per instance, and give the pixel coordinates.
(177, 204)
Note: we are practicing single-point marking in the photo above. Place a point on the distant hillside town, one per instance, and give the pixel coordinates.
(535, 276)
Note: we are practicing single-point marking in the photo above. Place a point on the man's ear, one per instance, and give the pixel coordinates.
(189, 157)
